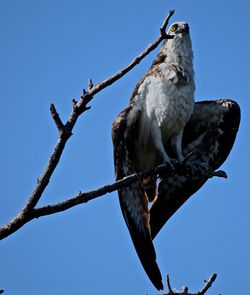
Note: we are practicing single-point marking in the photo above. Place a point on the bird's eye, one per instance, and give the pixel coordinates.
(173, 28)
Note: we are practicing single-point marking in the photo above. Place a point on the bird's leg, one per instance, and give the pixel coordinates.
(176, 142)
(157, 139)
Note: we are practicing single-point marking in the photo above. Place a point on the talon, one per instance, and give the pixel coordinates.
(176, 162)
(171, 163)
(172, 166)
(195, 169)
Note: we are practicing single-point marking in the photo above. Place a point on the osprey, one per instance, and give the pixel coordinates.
(162, 124)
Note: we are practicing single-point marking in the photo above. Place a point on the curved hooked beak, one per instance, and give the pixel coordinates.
(183, 29)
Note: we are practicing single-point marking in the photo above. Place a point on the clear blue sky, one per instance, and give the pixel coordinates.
(48, 51)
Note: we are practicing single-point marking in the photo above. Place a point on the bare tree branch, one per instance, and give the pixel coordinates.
(208, 284)
(85, 197)
(100, 86)
(56, 118)
(65, 132)
(170, 291)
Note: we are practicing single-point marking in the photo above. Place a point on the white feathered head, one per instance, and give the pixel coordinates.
(181, 44)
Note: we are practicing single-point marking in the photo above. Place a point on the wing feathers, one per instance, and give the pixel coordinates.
(133, 200)
(207, 142)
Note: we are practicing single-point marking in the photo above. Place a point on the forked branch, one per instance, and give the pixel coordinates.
(65, 131)
(207, 285)
(84, 197)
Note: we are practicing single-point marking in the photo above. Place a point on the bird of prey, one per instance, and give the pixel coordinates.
(163, 124)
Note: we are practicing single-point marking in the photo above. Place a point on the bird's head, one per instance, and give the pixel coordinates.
(181, 44)
(179, 29)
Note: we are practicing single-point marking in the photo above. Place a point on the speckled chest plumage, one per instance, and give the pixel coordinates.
(170, 104)
(165, 99)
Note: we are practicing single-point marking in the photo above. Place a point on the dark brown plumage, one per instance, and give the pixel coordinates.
(207, 142)
(218, 122)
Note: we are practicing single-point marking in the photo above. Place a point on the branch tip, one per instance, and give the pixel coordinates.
(185, 289)
(208, 284)
(165, 24)
(52, 108)
(169, 291)
(90, 84)
(59, 124)
(84, 92)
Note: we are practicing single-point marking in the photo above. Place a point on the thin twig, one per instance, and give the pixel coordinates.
(207, 285)
(165, 23)
(90, 84)
(99, 86)
(170, 291)
(56, 118)
(185, 289)
(65, 132)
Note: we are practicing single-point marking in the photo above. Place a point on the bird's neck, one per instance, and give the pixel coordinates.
(179, 51)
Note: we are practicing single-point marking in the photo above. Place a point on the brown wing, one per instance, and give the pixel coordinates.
(208, 139)
(133, 201)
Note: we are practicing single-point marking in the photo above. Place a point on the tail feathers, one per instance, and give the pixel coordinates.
(133, 200)
(137, 220)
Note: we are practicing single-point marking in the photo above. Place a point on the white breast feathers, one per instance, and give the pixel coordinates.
(166, 96)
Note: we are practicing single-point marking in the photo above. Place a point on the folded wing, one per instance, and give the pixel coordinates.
(208, 139)
(133, 200)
